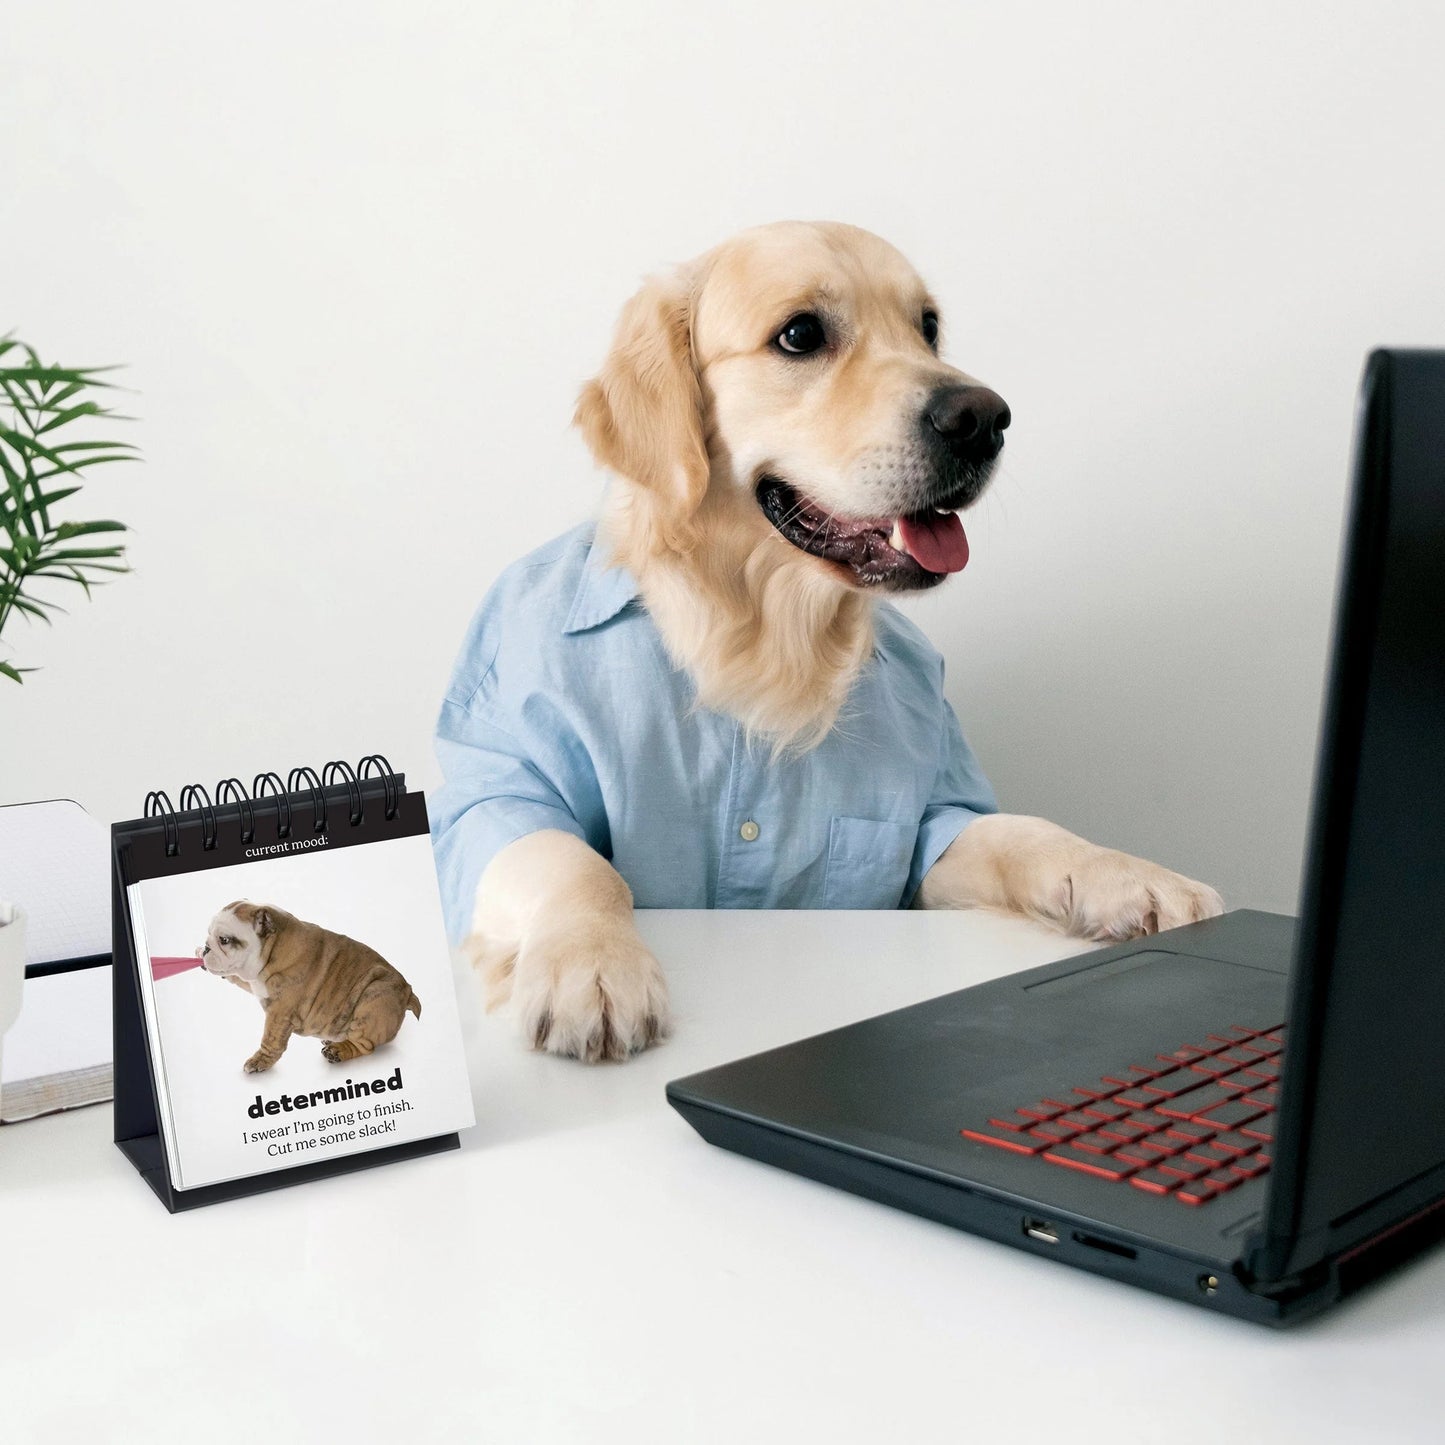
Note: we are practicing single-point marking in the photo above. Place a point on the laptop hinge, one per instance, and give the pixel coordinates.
(1258, 1270)
(1355, 1266)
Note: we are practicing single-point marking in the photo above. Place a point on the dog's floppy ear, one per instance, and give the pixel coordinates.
(262, 922)
(642, 414)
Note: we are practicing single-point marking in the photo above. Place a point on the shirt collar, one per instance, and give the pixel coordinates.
(602, 592)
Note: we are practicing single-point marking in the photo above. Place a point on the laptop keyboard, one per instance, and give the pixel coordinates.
(1193, 1124)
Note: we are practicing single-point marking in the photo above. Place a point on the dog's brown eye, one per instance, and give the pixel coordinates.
(802, 334)
(930, 328)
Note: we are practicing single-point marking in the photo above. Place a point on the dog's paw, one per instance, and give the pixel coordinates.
(1111, 896)
(258, 1063)
(590, 991)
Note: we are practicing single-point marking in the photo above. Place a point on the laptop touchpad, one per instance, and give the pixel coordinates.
(1111, 968)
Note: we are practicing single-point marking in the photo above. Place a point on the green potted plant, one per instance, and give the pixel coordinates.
(46, 453)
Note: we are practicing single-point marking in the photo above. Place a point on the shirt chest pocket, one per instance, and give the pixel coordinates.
(868, 863)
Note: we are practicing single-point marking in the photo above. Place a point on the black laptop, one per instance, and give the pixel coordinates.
(1245, 1113)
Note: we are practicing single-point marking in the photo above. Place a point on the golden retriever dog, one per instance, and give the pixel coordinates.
(709, 702)
(308, 981)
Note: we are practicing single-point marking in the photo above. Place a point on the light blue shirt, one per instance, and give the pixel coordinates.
(565, 711)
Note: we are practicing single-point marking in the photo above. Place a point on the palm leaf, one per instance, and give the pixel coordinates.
(41, 407)
(39, 610)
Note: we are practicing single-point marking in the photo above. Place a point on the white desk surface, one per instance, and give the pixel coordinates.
(587, 1269)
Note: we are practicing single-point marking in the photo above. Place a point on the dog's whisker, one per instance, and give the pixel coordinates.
(828, 519)
(793, 513)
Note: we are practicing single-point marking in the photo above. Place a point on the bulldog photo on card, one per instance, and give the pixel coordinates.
(308, 981)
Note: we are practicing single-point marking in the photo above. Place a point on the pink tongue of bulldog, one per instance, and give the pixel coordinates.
(935, 540)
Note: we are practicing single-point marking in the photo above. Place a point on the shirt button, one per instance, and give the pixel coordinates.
(749, 831)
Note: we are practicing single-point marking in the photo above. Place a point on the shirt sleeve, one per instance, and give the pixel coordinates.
(494, 793)
(961, 793)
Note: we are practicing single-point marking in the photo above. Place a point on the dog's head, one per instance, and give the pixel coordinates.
(791, 379)
(235, 941)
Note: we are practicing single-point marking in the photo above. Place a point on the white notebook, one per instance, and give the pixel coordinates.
(55, 864)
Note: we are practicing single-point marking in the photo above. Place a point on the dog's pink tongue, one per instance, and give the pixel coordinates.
(936, 541)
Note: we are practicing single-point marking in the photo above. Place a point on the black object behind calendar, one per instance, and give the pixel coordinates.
(284, 1005)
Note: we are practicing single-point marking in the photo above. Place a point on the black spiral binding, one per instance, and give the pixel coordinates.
(318, 798)
(383, 768)
(274, 789)
(154, 802)
(226, 790)
(189, 795)
(233, 802)
(347, 774)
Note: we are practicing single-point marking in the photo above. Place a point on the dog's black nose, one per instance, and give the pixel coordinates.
(970, 419)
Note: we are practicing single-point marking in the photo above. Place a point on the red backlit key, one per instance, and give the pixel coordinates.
(1150, 1119)
(1094, 1143)
(1135, 1100)
(1006, 1139)
(1185, 1167)
(1186, 1055)
(1212, 1067)
(1102, 1090)
(1105, 1109)
(1210, 1154)
(1167, 1086)
(1017, 1125)
(1196, 1101)
(1130, 1155)
(1236, 1056)
(1105, 1166)
(1150, 1068)
(1233, 1115)
(1251, 1166)
(1157, 1148)
(1046, 1109)
(1262, 1048)
(1261, 1128)
(1124, 1131)
(1189, 1131)
(1156, 1181)
(1197, 1191)
(1235, 1142)
(1056, 1131)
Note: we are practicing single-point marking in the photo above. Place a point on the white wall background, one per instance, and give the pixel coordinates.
(359, 256)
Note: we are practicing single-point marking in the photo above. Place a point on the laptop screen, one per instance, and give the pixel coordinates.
(1363, 1113)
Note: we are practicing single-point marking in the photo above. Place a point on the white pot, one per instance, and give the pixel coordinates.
(12, 966)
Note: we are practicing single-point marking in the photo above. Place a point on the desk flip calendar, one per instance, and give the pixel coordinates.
(284, 1001)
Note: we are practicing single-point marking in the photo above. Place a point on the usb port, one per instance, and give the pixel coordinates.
(1041, 1230)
